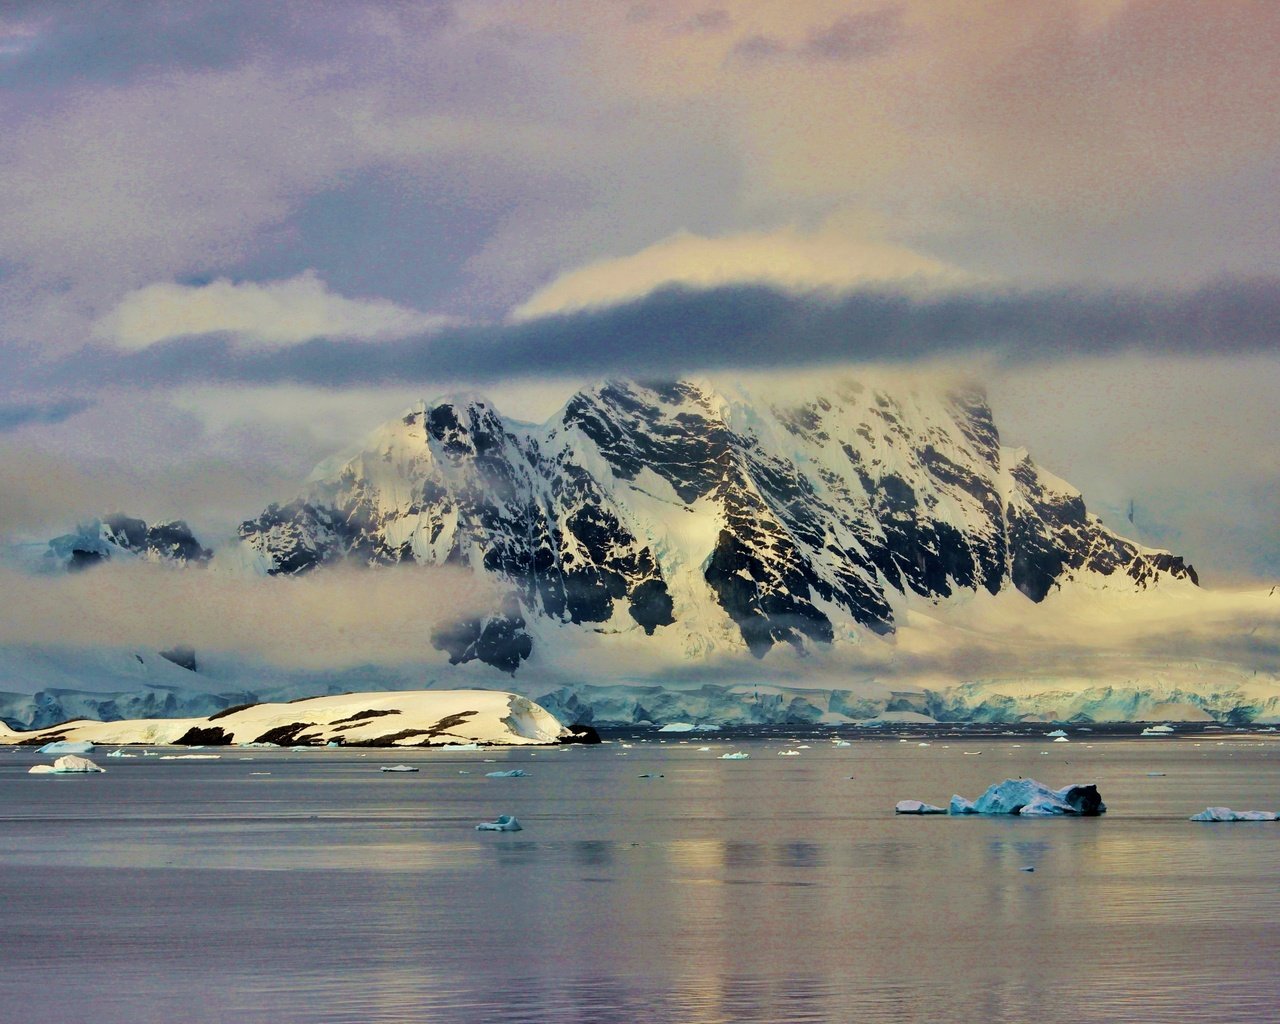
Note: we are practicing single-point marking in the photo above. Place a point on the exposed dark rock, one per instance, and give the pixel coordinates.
(287, 735)
(204, 736)
(182, 656)
(580, 732)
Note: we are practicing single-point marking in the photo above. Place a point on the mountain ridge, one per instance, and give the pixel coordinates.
(673, 504)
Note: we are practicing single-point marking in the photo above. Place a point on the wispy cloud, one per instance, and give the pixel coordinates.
(272, 313)
(328, 619)
(14, 415)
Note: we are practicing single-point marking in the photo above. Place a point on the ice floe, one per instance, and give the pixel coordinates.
(1056, 734)
(399, 768)
(1227, 814)
(66, 747)
(514, 773)
(1158, 730)
(68, 765)
(737, 755)
(504, 823)
(917, 807)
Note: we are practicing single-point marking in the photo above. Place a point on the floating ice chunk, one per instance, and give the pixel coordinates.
(678, 727)
(1032, 799)
(1056, 733)
(66, 747)
(1061, 739)
(68, 765)
(461, 746)
(703, 749)
(190, 757)
(1157, 730)
(399, 768)
(505, 823)
(514, 773)
(788, 753)
(120, 752)
(917, 807)
(1227, 814)
(841, 743)
(737, 755)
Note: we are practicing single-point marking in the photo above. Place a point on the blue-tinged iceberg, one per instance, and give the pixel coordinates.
(504, 823)
(1030, 799)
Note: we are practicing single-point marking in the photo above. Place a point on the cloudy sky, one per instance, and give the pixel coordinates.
(236, 236)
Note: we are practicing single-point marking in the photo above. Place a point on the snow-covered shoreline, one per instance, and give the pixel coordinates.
(407, 719)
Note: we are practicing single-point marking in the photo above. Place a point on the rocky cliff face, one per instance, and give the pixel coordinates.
(782, 518)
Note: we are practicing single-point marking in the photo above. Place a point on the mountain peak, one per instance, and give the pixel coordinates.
(709, 513)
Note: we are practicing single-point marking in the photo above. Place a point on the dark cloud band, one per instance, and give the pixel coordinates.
(676, 330)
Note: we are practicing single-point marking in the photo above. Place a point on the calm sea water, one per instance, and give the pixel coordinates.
(309, 886)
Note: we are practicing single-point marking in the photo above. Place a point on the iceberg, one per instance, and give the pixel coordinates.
(678, 727)
(788, 753)
(1157, 730)
(399, 768)
(504, 823)
(1227, 814)
(66, 747)
(514, 773)
(68, 765)
(1056, 734)
(916, 807)
(736, 756)
(1061, 739)
(1031, 799)
(841, 743)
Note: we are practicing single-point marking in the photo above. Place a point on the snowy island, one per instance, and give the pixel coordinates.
(417, 718)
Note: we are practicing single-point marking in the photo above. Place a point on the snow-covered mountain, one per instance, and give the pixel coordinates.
(656, 552)
(706, 518)
(118, 536)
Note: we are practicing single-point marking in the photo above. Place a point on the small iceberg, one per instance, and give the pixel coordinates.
(678, 727)
(399, 768)
(841, 743)
(1031, 799)
(737, 755)
(703, 749)
(69, 765)
(917, 807)
(1056, 733)
(504, 823)
(66, 747)
(120, 752)
(1157, 730)
(1061, 739)
(1227, 814)
(514, 773)
(461, 746)
(788, 753)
